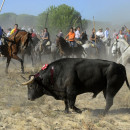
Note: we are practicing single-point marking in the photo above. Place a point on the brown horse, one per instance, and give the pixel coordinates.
(16, 43)
(66, 50)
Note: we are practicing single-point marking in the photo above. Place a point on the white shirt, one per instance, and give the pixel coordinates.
(8, 34)
(77, 34)
(100, 34)
(121, 36)
(106, 33)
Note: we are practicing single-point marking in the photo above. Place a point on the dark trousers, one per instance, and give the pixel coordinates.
(44, 42)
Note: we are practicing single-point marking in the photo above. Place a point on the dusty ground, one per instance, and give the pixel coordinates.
(46, 113)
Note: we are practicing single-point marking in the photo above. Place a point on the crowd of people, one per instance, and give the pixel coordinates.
(73, 35)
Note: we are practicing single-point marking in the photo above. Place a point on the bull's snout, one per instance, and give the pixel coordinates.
(31, 99)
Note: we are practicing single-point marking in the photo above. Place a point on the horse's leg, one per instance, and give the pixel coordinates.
(7, 64)
(20, 60)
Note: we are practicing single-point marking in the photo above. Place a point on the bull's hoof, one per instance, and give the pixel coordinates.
(104, 113)
(67, 112)
(77, 110)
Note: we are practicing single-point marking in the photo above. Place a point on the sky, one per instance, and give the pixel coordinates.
(116, 11)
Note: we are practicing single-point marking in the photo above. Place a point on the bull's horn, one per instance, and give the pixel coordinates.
(28, 82)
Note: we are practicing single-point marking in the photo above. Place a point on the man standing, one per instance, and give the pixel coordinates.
(106, 33)
(77, 34)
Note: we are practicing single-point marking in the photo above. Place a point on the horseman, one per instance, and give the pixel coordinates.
(93, 36)
(71, 37)
(100, 33)
(33, 34)
(15, 29)
(60, 34)
(8, 32)
(1, 32)
(77, 34)
(45, 38)
(106, 33)
(121, 35)
(128, 37)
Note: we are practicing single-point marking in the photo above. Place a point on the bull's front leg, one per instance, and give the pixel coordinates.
(72, 104)
(7, 64)
(66, 106)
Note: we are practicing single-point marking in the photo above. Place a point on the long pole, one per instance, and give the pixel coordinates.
(46, 20)
(94, 28)
(2, 5)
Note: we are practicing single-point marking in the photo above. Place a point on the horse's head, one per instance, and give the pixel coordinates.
(84, 36)
(115, 47)
(60, 40)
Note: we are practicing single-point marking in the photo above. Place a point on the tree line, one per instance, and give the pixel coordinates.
(54, 18)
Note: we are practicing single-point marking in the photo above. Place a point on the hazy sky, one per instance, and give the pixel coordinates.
(103, 10)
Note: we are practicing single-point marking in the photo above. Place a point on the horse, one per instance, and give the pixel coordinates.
(65, 49)
(15, 43)
(121, 51)
(97, 50)
(30, 50)
(107, 42)
(50, 50)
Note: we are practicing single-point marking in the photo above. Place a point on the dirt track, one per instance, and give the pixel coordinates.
(46, 113)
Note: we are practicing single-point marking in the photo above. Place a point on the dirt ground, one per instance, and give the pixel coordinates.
(46, 113)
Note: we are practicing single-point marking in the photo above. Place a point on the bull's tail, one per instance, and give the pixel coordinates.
(124, 72)
(128, 85)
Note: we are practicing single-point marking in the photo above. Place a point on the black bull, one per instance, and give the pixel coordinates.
(66, 78)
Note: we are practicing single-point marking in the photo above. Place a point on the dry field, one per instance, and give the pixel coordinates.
(46, 113)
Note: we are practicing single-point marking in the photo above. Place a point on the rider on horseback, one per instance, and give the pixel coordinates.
(60, 34)
(1, 33)
(45, 37)
(100, 33)
(15, 29)
(93, 36)
(71, 37)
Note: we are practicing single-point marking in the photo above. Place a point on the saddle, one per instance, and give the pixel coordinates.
(79, 42)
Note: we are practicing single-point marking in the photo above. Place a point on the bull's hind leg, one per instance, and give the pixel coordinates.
(111, 91)
(109, 103)
(72, 104)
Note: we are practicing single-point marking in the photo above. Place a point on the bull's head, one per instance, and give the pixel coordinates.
(35, 90)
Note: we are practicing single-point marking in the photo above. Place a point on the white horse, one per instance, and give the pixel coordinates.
(98, 50)
(121, 49)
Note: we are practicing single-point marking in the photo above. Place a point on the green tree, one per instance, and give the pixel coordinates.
(62, 17)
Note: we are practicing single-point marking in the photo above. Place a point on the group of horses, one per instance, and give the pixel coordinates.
(22, 42)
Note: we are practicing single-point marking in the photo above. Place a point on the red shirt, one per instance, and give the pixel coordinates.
(33, 35)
